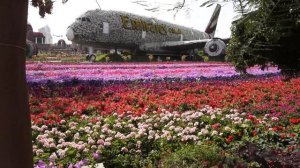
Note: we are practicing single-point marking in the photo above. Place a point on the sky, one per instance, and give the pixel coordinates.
(192, 15)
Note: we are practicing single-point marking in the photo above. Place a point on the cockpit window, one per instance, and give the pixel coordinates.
(84, 19)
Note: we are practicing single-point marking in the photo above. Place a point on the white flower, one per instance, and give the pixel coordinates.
(118, 125)
(61, 153)
(44, 127)
(90, 140)
(124, 149)
(157, 136)
(107, 143)
(34, 127)
(76, 136)
(87, 129)
(53, 156)
(172, 127)
(138, 144)
(204, 131)
(59, 146)
(214, 132)
(151, 133)
(244, 125)
(73, 127)
(96, 126)
(39, 152)
(108, 139)
(100, 141)
(192, 130)
(52, 145)
(178, 129)
(72, 124)
(54, 130)
(237, 118)
(61, 135)
(227, 128)
(213, 117)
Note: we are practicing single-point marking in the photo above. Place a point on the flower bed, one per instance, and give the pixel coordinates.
(124, 118)
(127, 140)
(42, 72)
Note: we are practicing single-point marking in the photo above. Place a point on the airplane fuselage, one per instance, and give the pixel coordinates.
(117, 29)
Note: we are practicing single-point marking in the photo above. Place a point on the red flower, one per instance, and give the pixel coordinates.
(295, 120)
(229, 139)
(292, 135)
(251, 117)
(215, 126)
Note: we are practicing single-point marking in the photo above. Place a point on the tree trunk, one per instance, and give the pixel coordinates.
(15, 131)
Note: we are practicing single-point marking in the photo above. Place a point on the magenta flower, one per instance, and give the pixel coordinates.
(96, 156)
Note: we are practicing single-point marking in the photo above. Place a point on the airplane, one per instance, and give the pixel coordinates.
(122, 30)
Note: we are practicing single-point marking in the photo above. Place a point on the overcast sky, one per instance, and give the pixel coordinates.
(64, 14)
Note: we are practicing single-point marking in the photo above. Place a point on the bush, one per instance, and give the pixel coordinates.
(101, 57)
(193, 156)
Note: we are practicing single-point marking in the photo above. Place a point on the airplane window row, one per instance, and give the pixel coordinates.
(84, 19)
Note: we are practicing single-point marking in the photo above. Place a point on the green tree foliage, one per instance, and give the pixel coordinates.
(268, 36)
(45, 6)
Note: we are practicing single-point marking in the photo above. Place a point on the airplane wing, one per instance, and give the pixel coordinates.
(174, 45)
(212, 47)
(177, 45)
(184, 45)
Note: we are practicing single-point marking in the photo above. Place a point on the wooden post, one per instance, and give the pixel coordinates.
(15, 131)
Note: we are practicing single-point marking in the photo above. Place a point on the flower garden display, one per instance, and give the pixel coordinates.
(134, 115)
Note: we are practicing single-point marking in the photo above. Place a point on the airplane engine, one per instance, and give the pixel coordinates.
(215, 48)
(31, 49)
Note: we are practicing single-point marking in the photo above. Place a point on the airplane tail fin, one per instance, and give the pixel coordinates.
(212, 25)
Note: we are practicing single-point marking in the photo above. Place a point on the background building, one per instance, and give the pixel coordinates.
(47, 33)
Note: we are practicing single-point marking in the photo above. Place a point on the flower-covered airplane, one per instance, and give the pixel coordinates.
(122, 30)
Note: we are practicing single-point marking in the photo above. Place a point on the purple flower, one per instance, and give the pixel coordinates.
(84, 162)
(77, 165)
(59, 73)
(81, 163)
(41, 164)
(96, 156)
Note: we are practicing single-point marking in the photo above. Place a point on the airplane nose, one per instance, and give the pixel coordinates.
(70, 34)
